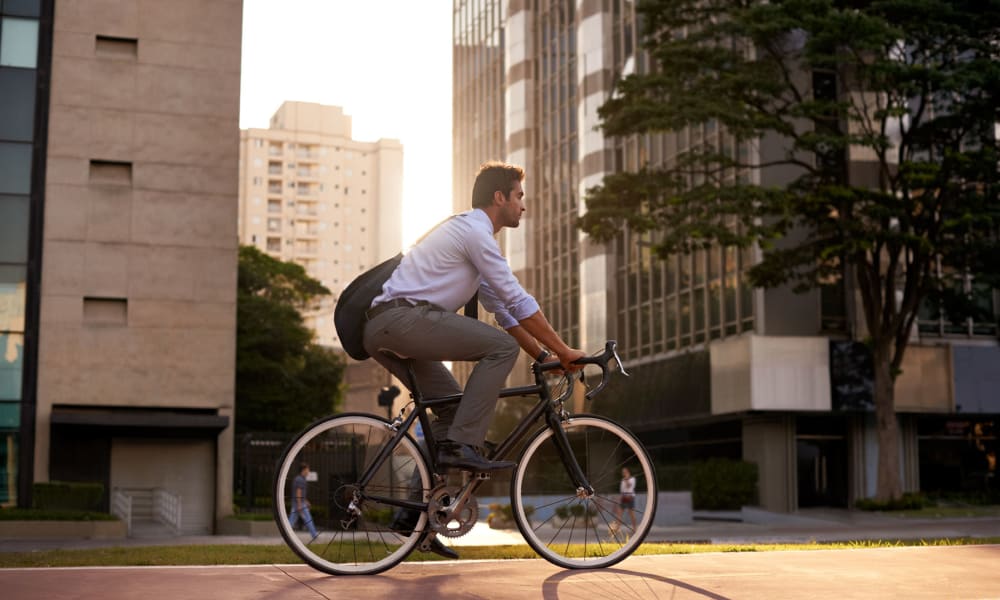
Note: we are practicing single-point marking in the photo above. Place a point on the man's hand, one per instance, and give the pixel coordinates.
(568, 356)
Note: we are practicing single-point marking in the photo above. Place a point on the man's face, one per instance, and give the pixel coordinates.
(513, 206)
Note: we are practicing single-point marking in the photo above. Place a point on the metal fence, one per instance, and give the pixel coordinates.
(257, 457)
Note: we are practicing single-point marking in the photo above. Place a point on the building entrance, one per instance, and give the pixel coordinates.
(821, 450)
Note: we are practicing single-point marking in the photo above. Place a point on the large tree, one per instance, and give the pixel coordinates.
(284, 380)
(907, 89)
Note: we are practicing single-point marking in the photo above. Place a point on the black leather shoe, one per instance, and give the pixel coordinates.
(440, 549)
(488, 448)
(464, 456)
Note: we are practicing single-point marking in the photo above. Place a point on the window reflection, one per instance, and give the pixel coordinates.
(12, 290)
(19, 43)
(11, 358)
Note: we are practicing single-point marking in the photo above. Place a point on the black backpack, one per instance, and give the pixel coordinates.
(356, 299)
(349, 315)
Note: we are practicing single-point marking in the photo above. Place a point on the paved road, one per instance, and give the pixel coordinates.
(953, 572)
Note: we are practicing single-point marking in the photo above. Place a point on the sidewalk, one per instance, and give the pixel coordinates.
(746, 527)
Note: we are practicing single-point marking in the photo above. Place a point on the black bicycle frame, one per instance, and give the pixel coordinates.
(527, 424)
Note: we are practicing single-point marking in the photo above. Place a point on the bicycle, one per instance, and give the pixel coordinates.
(564, 489)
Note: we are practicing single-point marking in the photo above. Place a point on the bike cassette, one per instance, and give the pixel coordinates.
(447, 516)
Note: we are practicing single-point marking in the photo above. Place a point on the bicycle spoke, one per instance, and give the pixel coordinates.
(570, 529)
(359, 540)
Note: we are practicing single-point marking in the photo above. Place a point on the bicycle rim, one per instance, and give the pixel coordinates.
(338, 450)
(576, 530)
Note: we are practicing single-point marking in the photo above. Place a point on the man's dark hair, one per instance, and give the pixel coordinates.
(494, 176)
(303, 466)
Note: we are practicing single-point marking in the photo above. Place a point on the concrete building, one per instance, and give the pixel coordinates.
(719, 368)
(119, 144)
(313, 195)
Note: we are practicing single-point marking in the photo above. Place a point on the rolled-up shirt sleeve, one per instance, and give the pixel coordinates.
(500, 292)
(490, 301)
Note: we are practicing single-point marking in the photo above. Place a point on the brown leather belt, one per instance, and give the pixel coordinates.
(378, 309)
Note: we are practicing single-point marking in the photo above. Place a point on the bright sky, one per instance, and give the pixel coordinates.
(386, 62)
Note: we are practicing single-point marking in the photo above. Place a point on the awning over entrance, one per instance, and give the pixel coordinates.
(140, 421)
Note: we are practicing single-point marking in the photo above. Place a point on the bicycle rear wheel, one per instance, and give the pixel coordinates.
(338, 450)
(568, 527)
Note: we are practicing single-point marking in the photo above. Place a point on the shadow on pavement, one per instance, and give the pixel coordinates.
(618, 583)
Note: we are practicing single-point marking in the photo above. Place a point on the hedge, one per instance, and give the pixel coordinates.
(723, 484)
(67, 495)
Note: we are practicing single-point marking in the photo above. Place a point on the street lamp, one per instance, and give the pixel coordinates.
(385, 398)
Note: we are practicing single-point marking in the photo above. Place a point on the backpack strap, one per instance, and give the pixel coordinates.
(472, 306)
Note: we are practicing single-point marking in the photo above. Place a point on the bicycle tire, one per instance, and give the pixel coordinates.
(570, 529)
(339, 449)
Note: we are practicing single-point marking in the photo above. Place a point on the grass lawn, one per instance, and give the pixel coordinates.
(277, 554)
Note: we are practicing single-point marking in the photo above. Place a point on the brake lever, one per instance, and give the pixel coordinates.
(618, 359)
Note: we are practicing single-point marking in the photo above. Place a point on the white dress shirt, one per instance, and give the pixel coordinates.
(452, 262)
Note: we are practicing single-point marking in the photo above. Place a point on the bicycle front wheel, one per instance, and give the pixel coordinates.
(570, 527)
(346, 529)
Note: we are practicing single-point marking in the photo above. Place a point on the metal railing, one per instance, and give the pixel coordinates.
(121, 507)
(167, 509)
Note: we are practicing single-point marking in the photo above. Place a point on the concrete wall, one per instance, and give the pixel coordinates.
(138, 303)
(753, 372)
(769, 442)
(926, 381)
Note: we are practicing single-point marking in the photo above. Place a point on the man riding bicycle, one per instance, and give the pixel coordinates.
(415, 317)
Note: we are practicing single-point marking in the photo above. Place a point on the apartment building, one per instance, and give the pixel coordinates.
(719, 368)
(311, 194)
(119, 150)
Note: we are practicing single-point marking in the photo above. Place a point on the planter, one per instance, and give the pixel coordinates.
(674, 508)
(248, 528)
(93, 530)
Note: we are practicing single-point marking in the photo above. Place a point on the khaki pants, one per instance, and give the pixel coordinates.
(428, 337)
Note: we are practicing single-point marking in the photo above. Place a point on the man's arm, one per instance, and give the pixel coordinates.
(535, 333)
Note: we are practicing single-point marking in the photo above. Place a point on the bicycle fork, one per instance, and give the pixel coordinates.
(583, 487)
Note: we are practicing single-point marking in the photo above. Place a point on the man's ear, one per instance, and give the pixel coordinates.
(498, 198)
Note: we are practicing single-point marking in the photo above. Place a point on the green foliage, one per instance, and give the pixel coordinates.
(856, 139)
(67, 495)
(908, 501)
(673, 477)
(284, 381)
(34, 514)
(723, 484)
(502, 515)
(576, 511)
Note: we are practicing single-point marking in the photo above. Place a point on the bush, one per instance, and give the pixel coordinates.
(723, 484)
(31, 514)
(502, 515)
(673, 477)
(67, 495)
(908, 501)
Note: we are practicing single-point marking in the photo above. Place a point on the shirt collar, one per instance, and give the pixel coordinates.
(479, 216)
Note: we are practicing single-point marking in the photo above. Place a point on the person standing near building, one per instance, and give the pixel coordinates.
(627, 500)
(300, 502)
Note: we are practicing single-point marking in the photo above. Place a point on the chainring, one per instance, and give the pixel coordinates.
(456, 523)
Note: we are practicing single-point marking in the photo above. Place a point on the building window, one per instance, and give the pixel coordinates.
(19, 42)
(981, 300)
